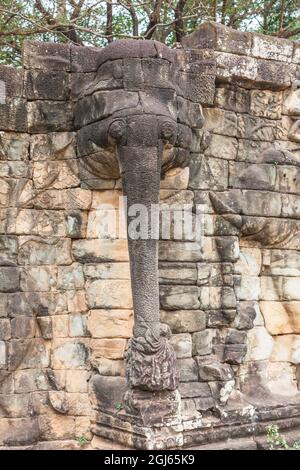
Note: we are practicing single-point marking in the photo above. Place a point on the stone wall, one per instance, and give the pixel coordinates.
(232, 300)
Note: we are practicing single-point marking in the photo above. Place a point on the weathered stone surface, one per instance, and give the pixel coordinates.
(222, 147)
(281, 263)
(170, 272)
(176, 178)
(49, 116)
(249, 262)
(182, 344)
(13, 115)
(55, 175)
(110, 367)
(212, 35)
(248, 288)
(38, 279)
(194, 389)
(108, 348)
(56, 426)
(3, 355)
(23, 327)
(260, 344)
(208, 173)
(210, 369)
(27, 353)
(90, 251)
(70, 277)
(203, 342)
(36, 251)
(281, 317)
(188, 370)
(69, 354)
(174, 297)
(46, 56)
(109, 294)
(8, 250)
(245, 176)
(233, 68)
(220, 121)
(184, 321)
(286, 349)
(267, 47)
(246, 314)
(46, 85)
(14, 146)
(233, 98)
(19, 431)
(9, 279)
(110, 323)
(266, 103)
(53, 146)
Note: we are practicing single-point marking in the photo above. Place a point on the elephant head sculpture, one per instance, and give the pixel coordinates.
(138, 116)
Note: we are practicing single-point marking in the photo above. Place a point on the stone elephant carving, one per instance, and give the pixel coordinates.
(138, 116)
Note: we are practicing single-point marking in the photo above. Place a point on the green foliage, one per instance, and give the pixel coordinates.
(119, 406)
(277, 442)
(82, 440)
(85, 21)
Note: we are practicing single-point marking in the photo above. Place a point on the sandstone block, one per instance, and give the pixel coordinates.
(109, 366)
(258, 176)
(215, 36)
(220, 121)
(266, 47)
(23, 327)
(38, 279)
(60, 326)
(56, 426)
(27, 354)
(90, 251)
(40, 223)
(9, 279)
(49, 85)
(110, 323)
(233, 98)
(70, 277)
(3, 356)
(286, 349)
(8, 250)
(179, 297)
(248, 288)
(203, 342)
(30, 380)
(76, 301)
(281, 317)
(176, 178)
(109, 294)
(69, 354)
(222, 147)
(182, 344)
(108, 348)
(76, 381)
(53, 146)
(266, 103)
(188, 370)
(55, 174)
(49, 116)
(107, 271)
(210, 370)
(78, 325)
(208, 173)
(259, 344)
(249, 262)
(46, 56)
(184, 321)
(40, 252)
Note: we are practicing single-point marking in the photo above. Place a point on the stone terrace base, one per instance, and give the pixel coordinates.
(237, 427)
